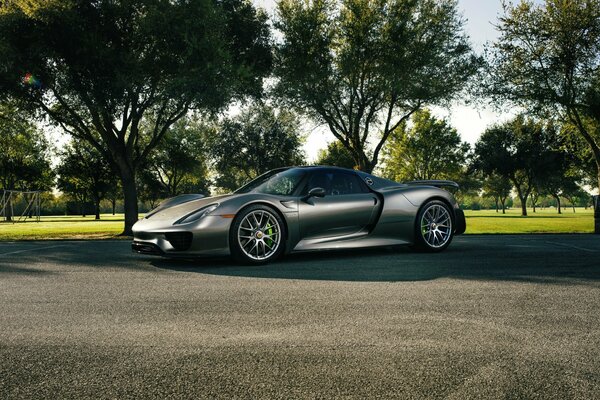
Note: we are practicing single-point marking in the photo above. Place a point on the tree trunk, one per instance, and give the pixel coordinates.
(362, 162)
(129, 197)
(496, 200)
(523, 205)
(534, 199)
(114, 205)
(523, 198)
(503, 201)
(598, 165)
(558, 204)
(97, 207)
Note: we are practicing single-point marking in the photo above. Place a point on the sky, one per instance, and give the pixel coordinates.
(470, 121)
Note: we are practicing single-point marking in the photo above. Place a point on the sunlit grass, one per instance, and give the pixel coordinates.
(542, 221)
(63, 227)
(478, 222)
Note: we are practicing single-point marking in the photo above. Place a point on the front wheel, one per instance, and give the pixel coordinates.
(434, 227)
(257, 235)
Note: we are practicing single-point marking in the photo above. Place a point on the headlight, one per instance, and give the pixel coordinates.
(196, 215)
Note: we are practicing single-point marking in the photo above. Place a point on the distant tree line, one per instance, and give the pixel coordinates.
(145, 90)
(197, 155)
(526, 156)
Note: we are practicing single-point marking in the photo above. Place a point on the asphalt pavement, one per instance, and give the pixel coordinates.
(506, 317)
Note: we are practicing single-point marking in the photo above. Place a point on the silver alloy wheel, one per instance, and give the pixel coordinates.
(259, 235)
(436, 226)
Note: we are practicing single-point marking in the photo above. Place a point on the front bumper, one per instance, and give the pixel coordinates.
(209, 236)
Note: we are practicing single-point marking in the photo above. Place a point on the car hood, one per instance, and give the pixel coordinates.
(175, 212)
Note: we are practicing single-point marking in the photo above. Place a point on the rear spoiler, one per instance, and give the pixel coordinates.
(436, 183)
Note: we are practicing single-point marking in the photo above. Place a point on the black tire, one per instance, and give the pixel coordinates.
(434, 232)
(242, 236)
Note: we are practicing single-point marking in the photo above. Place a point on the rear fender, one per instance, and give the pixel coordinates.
(417, 195)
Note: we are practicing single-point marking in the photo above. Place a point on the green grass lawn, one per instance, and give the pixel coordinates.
(486, 222)
(64, 227)
(542, 221)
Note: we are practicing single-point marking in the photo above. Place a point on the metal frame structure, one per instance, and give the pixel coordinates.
(8, 197)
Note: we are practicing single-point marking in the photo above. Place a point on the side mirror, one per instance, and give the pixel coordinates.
(316, 192)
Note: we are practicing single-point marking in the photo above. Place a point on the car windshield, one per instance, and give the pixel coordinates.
(281, 182)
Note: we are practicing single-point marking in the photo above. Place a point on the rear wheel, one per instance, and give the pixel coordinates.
(434, 227)
(257, 235)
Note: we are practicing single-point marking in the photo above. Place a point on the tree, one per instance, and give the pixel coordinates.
(29, 7)
(497, 187)
(24, 153)
(101, 69)
(469, 182)
(85, 175)
(575, 195)
(582, 158)
(364, 67)
(534, 198)
(427, 149)
(258, 140)
(180, 160)
(520, 150)
(336, 155)
(113, 195)
(546, 59)
(74, 189)
(150, 188)
(561, 179)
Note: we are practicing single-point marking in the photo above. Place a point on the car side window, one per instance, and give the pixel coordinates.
(344, 183)
(319, 179)
(335, 183)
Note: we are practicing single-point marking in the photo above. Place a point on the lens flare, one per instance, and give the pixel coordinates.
(30, 80)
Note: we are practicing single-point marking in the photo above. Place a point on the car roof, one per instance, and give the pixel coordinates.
(373, 181)
(313, 167)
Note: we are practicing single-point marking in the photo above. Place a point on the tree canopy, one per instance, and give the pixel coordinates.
(363, 67)
(85, 175)
(547, 59)
(497, 187)
(521, 150)
(180, 161)
(99, 69)
(336, 155)
(261, 138)
(428, 148)
(24, 152)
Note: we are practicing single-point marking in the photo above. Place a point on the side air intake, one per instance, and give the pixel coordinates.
(179, 240)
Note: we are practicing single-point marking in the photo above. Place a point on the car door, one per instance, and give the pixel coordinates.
(347, 207)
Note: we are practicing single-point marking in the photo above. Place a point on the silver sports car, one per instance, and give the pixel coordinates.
(303, 209)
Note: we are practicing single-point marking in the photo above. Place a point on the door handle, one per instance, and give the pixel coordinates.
(374, 201)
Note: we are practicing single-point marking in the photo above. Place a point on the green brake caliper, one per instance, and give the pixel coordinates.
(269, 240)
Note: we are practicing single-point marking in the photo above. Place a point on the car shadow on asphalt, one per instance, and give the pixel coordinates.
(396, 264)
